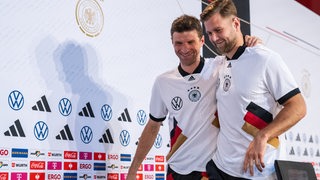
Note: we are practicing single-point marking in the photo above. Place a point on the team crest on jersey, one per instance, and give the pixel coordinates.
(227, 82)
(194, 94)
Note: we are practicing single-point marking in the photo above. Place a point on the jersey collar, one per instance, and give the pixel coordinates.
(197, 70)
(238, 53)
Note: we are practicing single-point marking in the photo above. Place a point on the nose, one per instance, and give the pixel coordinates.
(213, 37)
(185, 48)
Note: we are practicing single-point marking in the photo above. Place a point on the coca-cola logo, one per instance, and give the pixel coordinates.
(4, 176)
(39, 165)
(113, 176)
(70, 155)
(159, 158)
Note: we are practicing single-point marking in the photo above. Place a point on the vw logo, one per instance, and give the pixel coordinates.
(106, 112)
(15, 100)
(41, 130)
(86, 134)
(141, 117)
(176, 103)
(158, 141)
(124, 138)
(65, 107)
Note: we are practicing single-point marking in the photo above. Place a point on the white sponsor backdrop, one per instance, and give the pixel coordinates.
(104, 56)
(292, 30)
(99, 56)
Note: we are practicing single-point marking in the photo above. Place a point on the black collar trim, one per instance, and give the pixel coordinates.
(197, 70)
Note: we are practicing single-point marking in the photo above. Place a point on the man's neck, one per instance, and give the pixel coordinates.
(239, 42)
(191, 68)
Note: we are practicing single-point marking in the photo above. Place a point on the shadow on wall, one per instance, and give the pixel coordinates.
(68, 73)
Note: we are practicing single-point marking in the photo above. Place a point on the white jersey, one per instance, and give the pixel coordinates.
(249, 95)
(188, 102)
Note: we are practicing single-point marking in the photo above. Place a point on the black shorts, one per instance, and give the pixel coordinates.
(215, 173)
(194, 175)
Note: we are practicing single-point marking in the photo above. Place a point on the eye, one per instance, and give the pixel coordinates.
(218, 30)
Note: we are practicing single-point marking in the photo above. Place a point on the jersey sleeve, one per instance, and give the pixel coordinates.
(158, 110)
(279, 79)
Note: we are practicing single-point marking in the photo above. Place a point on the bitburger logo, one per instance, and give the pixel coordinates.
(89, 17)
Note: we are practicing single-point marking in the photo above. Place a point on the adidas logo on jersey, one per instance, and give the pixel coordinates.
(191, 78)
(15, 130)
(65, 134)
(106, 137)
(87, 111)
(125, 116)
(42, 105)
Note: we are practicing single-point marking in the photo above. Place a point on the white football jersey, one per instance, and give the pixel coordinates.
(188, 103)
(250, 93)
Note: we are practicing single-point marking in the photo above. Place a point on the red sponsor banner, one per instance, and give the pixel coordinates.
(4, 176)
(139, 176)
(159, 158)
(100, 156)
(149, 167)
(70, 166)
(113, 176)
(123, 176)
(159, 167)
(54, 165)
(37, 165)
(19, 176)
(140, 168)
(70, 155)
(37, 176)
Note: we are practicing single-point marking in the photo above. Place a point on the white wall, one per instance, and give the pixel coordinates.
(293, 30)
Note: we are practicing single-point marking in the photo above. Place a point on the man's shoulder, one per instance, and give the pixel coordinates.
(168, 74)
(263, 52)
(216, 60)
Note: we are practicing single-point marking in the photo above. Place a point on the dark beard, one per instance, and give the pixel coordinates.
(226, 48)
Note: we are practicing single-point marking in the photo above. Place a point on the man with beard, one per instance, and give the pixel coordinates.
(185, 98)
(257, 100)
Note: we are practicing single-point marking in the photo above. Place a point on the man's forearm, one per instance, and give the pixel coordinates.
(145, 143)
(293, 111)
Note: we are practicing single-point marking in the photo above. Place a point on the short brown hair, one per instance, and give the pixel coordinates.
(224, 7)
(186, 23)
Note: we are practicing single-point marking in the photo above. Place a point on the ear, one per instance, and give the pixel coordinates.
(236, 23)
(202, 40)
